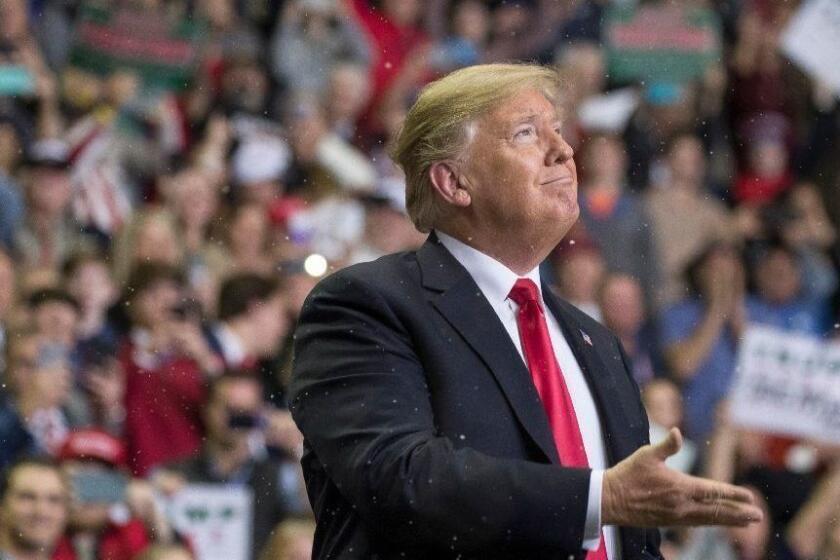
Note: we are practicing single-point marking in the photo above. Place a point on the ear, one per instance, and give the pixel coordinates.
(445, 180)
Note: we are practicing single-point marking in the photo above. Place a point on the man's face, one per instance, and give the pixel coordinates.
(273, 323)
(519, 171)
(235, 396)
(34, 510)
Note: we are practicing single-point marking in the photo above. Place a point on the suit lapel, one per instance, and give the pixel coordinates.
(609, 402)
(465, 308)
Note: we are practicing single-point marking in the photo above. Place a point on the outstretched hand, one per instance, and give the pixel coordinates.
(641, 491)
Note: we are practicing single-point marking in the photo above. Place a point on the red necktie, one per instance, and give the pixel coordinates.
(550, 384)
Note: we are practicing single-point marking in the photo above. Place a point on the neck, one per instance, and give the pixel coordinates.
(14, 551)
(228, 459)
(514, 250)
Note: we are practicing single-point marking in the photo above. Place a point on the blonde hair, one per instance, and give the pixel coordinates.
(438, 125)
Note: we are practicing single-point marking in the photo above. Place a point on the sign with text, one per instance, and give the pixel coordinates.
(665, 43)
(216, 518)
(163, 49)
(787, 383)
(812, 40)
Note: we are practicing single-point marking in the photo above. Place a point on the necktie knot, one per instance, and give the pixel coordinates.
(524, 291)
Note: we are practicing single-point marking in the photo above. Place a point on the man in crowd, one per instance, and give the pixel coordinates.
(33, 510)
(252, 321)
(446, 413)
(235, 419)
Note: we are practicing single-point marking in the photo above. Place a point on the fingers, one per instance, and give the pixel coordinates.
(669, 446)
(722, 512)
(709, 491)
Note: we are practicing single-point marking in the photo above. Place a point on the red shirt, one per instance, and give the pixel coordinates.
(118, 542)
(162, 410)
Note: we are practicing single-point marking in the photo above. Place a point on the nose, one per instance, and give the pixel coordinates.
(558, 150)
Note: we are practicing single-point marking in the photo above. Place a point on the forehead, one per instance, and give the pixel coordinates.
(525, 104)
(35, 478)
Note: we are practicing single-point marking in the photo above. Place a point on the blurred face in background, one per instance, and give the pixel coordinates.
(687, 161)
(579, 275)
(34, 510)
(56, 321)
(157, 241)
(472, 21)
(349, 92)
(241, 396)
(39, 373)
(622, 304)
(92, 286)
(768, 159)
(402, 12)
(13, 22)
(273, 324)
(777, 277)
(7, 284)
(248, 230)
(605, 160)
(49, 191)
(153, 306)
(194, 197)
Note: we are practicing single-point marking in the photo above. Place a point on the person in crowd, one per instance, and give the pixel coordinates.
(700, 334)
(387, 227)
(245, 231)
(664, 407)
(623, 311)
(39, 407)
(7, 302)
(112, 516)
(12, 207)
(235, 453)
(150, 236)
(251, 321)
(88, 281)
(347, 94)
(782, 297)
(614, 217)
(47, 234)
(684, 218)
(34, 502)
(579, 270)
(55, 317)
(258, 168)
(166, 361)
(311, 38)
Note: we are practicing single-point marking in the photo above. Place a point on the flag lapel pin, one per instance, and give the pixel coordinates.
(586, 338)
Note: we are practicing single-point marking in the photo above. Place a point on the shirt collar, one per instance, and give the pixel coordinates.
(494, 279)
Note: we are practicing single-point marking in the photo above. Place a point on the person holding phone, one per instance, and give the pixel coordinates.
(111, 515)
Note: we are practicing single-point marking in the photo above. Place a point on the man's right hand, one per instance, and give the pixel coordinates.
(641, 491)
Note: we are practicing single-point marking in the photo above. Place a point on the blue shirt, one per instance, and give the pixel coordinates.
(712, 379)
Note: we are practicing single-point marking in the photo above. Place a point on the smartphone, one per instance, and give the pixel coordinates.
(99, 486)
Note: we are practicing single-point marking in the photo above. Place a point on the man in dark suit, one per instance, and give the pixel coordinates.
(451, 406)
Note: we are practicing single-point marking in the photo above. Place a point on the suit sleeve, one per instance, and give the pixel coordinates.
(361, 398)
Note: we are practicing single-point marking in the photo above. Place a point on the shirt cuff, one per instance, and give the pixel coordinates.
(592, 527)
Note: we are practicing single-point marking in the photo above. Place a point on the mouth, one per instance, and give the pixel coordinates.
(559, 180)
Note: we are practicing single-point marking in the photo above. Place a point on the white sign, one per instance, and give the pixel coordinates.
(812, 40)
(789, 384)
(216, 518)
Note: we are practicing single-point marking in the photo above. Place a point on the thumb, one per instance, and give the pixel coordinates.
(669, 446)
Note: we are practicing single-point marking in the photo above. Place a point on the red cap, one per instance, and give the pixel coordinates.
(93, 444)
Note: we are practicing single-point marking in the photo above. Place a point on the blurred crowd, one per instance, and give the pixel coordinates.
(176, 175)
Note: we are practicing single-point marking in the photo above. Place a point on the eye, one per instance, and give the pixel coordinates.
(525, 132)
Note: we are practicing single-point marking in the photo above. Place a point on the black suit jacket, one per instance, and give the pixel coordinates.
(424, 435)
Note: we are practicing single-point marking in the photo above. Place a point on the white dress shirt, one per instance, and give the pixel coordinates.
(495, 281)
